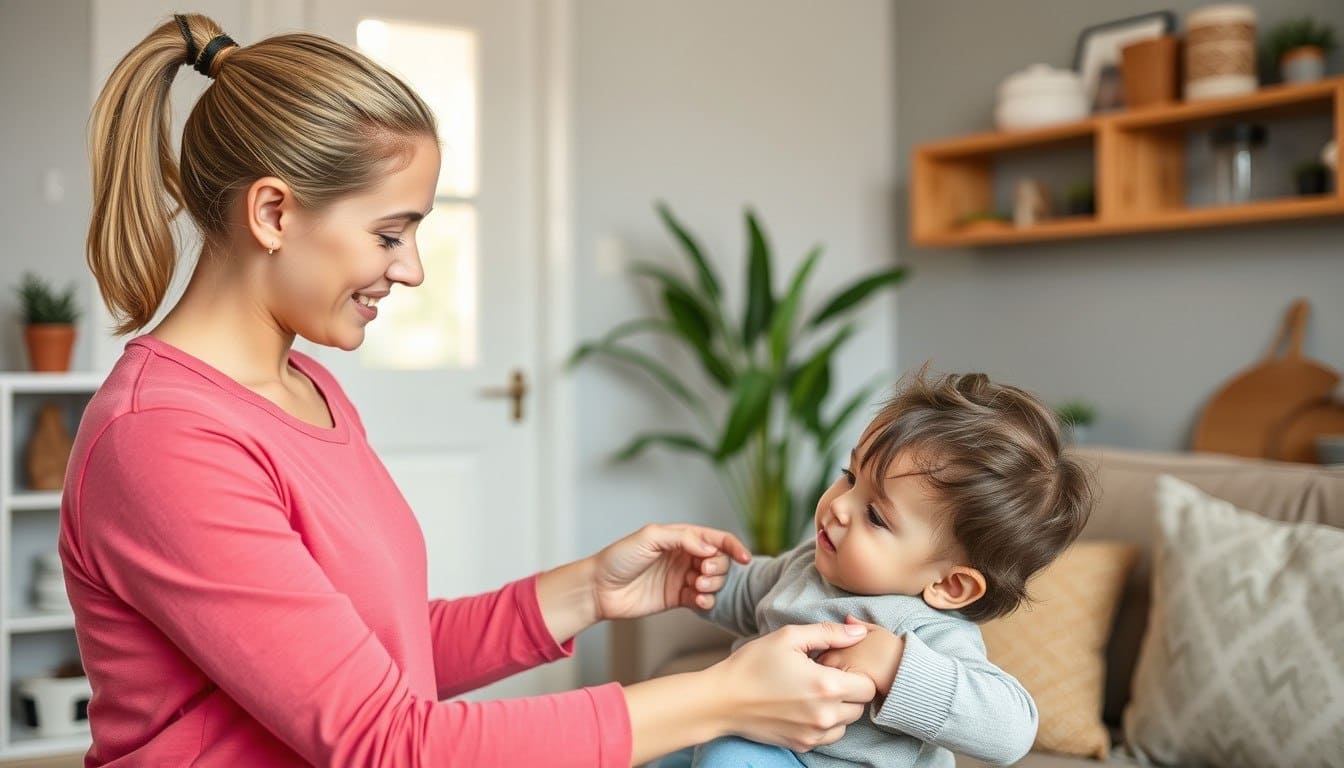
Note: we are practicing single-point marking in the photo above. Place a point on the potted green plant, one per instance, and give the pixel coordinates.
(773, 366)
(49, 323)
(1080, 199)
(1077, 416)
(1312, 177)
(1298, 46)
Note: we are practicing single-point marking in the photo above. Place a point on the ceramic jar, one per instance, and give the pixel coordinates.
(1039, 95)
(1220, 52)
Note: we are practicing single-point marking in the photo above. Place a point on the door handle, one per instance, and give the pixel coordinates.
(515, 391)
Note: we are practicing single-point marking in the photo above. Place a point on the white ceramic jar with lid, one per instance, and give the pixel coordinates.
(1220, 51)
(1039, 95)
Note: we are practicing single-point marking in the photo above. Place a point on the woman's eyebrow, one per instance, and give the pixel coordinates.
(409, 216)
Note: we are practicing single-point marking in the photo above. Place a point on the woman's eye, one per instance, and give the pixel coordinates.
(849, 476)
(875, 518)
(390, 242)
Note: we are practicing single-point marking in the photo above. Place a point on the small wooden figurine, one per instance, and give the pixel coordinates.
(1031, 203)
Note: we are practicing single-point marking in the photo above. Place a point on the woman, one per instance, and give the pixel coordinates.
(249, 586)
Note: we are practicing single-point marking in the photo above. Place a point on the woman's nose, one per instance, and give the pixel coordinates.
(407, 269)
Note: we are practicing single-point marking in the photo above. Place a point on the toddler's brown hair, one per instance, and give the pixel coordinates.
(1012, 496)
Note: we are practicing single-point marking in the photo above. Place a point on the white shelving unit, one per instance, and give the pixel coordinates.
(32, 641)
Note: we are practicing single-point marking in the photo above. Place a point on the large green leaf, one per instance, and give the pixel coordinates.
(697, 330)
(760, 300)
(748, 412)
(781, 325)
(708, 280)
(677, 441)
(856, 293)
(810, 385)
(669, 281)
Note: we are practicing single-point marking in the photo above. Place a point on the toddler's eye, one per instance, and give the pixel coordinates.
(849, 476)
(875, 518)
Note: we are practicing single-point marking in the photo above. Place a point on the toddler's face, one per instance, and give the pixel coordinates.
(873, 547)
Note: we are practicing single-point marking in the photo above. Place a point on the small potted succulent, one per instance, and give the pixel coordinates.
(1080, 199)
(1312, 178)
(1298, 47)
(49, 323)
(1077, 416)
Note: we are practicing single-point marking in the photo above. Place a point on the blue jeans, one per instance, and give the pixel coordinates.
(733, 752)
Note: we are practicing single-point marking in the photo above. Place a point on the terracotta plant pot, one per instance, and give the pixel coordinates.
(1304, 64)
(49, 346)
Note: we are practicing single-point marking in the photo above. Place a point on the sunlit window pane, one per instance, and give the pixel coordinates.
(440, 64)
(433, 325)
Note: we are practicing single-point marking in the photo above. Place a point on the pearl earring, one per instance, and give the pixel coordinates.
(271, 251)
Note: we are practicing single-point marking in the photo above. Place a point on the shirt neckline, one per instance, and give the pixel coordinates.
(339, 432)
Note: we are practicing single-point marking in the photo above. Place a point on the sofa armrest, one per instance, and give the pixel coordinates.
(641, 648)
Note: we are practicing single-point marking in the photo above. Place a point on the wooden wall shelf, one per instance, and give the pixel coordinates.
(1139, 171)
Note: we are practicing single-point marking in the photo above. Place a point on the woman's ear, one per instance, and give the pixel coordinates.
(268, 201)
(959, 587)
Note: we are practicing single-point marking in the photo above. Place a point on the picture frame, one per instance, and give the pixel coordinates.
(1096, 57)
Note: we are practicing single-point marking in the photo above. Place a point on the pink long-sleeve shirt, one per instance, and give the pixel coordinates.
(250, 590)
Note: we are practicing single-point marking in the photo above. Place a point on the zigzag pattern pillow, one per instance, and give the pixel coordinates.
(1242, 664)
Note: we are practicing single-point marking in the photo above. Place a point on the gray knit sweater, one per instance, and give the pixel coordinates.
(946, 696)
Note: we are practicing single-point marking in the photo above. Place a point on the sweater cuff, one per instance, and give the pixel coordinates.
(920, 698)
(615, 742)
(529, 611)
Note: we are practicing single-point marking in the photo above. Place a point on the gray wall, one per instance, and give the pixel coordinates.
(45, 93)
(787, 106)
(1147, 327)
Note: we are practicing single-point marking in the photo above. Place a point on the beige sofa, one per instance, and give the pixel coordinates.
(678, 641)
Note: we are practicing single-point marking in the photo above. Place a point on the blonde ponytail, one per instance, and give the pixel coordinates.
(300, 107)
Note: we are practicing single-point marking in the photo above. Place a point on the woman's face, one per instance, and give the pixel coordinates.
(327, 277)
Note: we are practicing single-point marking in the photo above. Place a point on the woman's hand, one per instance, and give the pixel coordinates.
(660, 567)
(877, 655)
(769, 690)
(653, 569)
(788, 699)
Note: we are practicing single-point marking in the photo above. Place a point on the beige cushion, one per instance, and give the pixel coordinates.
(1126, 511)
(1243, 662)
(1056, 645)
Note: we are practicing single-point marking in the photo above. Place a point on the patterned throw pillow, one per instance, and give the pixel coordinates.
(1242, 665)
(1056, 646)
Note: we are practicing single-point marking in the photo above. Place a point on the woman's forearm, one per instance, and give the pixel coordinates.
(672, 712)
(565, 594)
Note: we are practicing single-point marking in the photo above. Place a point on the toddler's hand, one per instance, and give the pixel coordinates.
(877, 656)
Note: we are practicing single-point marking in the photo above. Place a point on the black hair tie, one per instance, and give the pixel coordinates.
(186, 35)
(216, 44)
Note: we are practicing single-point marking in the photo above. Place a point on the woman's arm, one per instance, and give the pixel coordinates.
(483, 638)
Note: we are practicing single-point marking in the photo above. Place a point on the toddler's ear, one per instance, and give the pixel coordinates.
(961, 586)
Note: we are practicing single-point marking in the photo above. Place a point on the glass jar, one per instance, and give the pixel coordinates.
(1235, 147)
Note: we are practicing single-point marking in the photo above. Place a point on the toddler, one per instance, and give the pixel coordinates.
(958, 491)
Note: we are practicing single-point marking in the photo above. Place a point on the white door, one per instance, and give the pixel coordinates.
(464, 462)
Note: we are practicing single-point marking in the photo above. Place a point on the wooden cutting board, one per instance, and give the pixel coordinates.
(1295, 438)
(1256, 404)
